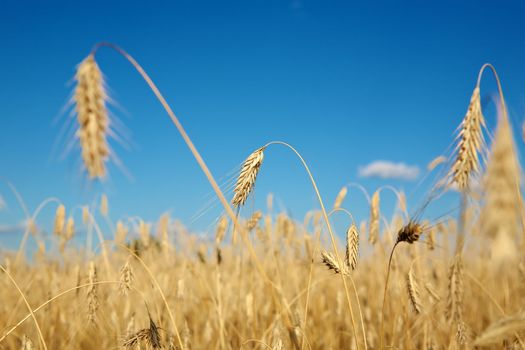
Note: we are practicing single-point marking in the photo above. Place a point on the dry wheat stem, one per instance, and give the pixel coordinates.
(382, 325)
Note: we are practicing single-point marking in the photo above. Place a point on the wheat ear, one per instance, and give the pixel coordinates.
(90, 104)
(352, 247)
(470, 143)
(248, 175)
(413, 291)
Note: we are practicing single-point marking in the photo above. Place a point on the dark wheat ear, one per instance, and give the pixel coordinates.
(90, 105)
(248, 175)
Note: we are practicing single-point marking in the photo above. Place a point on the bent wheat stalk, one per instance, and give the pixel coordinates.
(202, 164)
(327, 222)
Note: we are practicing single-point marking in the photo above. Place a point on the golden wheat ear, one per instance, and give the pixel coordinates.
(248, 175)
(470, 143)
(93, 122)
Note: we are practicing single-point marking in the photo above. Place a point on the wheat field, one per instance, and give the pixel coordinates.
(267, 281)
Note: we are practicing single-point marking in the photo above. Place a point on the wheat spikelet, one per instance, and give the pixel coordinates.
(221, 229)
(132, 341)
(70, 228)
(455, 290)
(470, 143)
(340, 197)
(413, 291)
(250, 225)
(90, 98)
(331, 262)
(121, 232)
(352, 247)
(92, 294)
(104, 205)
(27, 344)
(431, 239)
(68, 233)
(410, 233)
(374, 218)
(126, 278)
(60, 220)
(246, 180)
(501, 210)
(433, 294)
(186, 335)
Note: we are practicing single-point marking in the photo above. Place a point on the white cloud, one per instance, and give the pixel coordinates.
(389, 170)
(12, 228)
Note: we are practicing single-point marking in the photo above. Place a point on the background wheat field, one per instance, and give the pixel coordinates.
(438, 266)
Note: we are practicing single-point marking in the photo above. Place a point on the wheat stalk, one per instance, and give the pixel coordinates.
(27, 344)
(90, 99)
(248, 175)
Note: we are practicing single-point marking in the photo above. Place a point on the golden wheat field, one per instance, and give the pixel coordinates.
(269, 281)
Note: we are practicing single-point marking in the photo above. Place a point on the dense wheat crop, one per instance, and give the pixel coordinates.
(267, 281)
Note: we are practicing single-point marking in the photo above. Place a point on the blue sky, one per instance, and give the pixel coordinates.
(347, 83)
